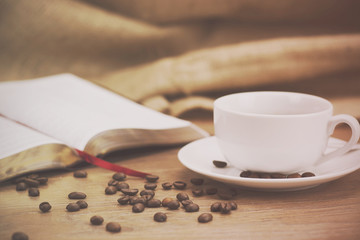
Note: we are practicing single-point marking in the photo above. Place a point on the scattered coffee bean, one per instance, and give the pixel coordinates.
(122, 185)
(44, 206)
(198, 192)
(80, 174)
(21, 186)
(113, 227)
(205, 217)
(31, 182)
(42, 180)
(160, 217)
(33, 192)
(166, 186)
(147, 192)
(72, 207)
(113, 182)
(130, 192)
(150, 186)
(134, 199)
(233, 205)
(147, 197)
(154, 203)
(110, 190)
(182, 196)
(165, 201)
(225, 208)
(76, 195)
(186, 202)
(119, 176)
(294, 175)
(173, 204)
(277, 175)
(192, 207)
(245, 174)
(82, 204)
(308, 174)
(151, 178)
(19, 236)
(124, 200)
(219, 164)
(215, 207)
(96, 220)
(211, 191)
(138, 207)
(197, 181)
(179, 185)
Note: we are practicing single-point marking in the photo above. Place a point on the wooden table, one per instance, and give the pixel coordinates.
(329, 211)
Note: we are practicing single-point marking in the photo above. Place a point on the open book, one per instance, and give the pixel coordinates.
(43, 121)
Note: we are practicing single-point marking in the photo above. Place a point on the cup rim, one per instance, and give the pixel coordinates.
(218, 105)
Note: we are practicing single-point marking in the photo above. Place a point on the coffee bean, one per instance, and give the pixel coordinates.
(197, 181)
(294, 175)
(82, 204)
(192, 207)
(215, 207)
(277, 175)
(33, 192)
(211, 191)
(245, 174)
(124, 200)
(147, 192)
(96, 220)
(186, 202)
(21, 186)
(153, 203)
(205, 217)
(113, 227)
(182, 196)
(308, 174)
(119, 176)
(134, 199)
(165, 201)
(138, 207)
(80, 174)
(151, 178)
(150, 186)
(130, 192)
(233, 205)
(122, 185)
(225, 195)
(198, 192)
(166, 186)
(42, 180)
(265, 175)
(219, 164)
(113, 182)
(254, 175)
(225, 208)
(147, 197)
(31, 182)
(76, 195)
(19, 236)
(110, 190)
(173, 204)
(179, 185)
(160, 217)
(72, 207)
(44, 206)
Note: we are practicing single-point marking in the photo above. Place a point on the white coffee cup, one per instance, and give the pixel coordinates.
(283, 132)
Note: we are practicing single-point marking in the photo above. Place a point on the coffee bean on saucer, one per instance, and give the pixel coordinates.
(72, 207)
(150, 186)
(166, 186)
(151, 178)
(197, 181)
(96, 220)
(44, 206)
(82, 204)
(113, 227)
(119, 176)
(245, 174)
(277, 175)
(205, 218)
(33, 192)
(219, 164)
(130, 192)
(160, 217)
(80, 174)
(138, 207)
(308, 174)
(265, 175)
(179, 185)
(19, 236)
(76, 195)
(110, 190)
(182, 196)
(21, 186)
(294, 175)
(192, 207)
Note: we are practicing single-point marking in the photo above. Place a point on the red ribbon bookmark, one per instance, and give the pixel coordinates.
(107, 165)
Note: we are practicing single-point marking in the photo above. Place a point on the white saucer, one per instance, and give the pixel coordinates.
(198, 156)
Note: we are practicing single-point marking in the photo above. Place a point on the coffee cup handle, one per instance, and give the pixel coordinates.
(355, 134)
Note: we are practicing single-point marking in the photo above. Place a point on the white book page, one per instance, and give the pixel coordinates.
(73, 110)
(15, 138)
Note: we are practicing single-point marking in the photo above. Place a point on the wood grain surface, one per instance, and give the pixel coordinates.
(329, 211)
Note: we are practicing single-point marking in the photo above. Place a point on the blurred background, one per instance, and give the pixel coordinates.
(176, 56)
